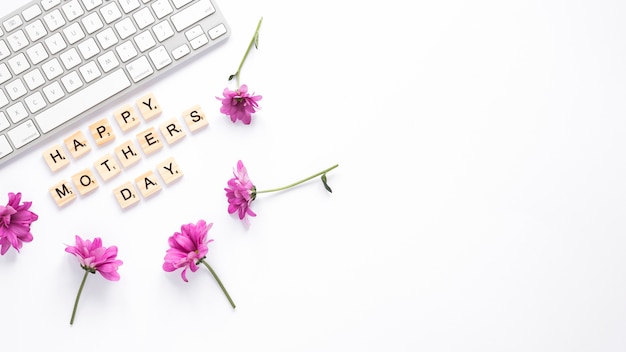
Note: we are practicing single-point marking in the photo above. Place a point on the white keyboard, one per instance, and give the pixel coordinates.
(61, 59)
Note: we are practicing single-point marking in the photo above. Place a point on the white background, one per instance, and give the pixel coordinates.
(478, 204)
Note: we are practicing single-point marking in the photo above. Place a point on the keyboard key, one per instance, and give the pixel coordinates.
(52, 69)
(199, 41)
(143, 18)
(53, 92)
(23, 134)
(71, 81)
(4, 50)
(161, 8)
(12, 23)
(5, 147)
(181, 3)
(139, 69)
(31, 12)
(180, 51)
(125, 28)
(126, 51)
(19, 63)
(37, 53)
(92, 22)
(88, 48)
(160, 58)
(217, 31)
(110, 12)
(192, 14)
(55, 43)
(36, 30)
(83, 100)
(144, 41)
(16, 89)
(72, 10)
(108, 61)
(17, 112)
(3, 99)
(163, 31)
(54, 20)
(4, 122)
(17, 40)
(70, 59)
(5, 75)
(35, 102)
(129, 5)
(91, 4)
(107, 38)
(90, 71)
(48, 4)
(73, 33)
(34, 79)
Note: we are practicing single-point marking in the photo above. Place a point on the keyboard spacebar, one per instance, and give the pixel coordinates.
(82, 100)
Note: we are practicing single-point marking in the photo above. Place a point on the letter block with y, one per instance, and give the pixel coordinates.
(149, 107)
(169, 170)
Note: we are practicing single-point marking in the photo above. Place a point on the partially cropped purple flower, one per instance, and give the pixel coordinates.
(15, 220)
(94, 257)
(240, 192)
(239, 104)
(187, 248)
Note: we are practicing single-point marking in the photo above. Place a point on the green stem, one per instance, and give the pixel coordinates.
(299, 182)
(218, 281)
(252, 41)
(80, 290)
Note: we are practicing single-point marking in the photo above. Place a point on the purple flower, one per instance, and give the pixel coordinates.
(94, 257)
(187, 248)
(239, 104)
(240, 192)
(15, 220)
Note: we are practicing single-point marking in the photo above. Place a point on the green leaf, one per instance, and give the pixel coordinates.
(230, 78)
(325, 181)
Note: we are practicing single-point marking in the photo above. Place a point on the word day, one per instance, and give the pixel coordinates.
(123, 155)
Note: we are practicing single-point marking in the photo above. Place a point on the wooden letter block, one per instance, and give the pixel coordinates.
(56, 158)
(147, 184)
(172, 131)
(102, 132)
(77, 144)
(126, 117)
(127, 153)
(126, 195)
(169, 170)
(62, 193)
(149, 107)
(195, 118)
(107, 167)
(149, 141)
(85, 181)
